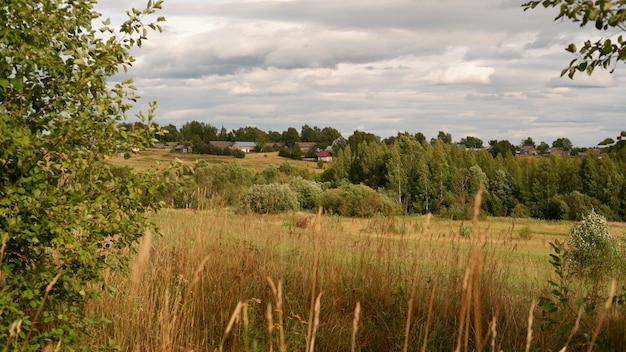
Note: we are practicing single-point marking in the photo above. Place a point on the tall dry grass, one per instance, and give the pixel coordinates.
(218, 281)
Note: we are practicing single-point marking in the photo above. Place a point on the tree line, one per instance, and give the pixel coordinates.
(443, 178)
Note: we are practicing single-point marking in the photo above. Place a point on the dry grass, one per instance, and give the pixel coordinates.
(216, 280)
(160, 158)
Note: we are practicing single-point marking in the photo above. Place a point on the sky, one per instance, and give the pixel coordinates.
(482, 68)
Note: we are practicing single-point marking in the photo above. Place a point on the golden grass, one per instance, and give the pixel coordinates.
(216, 280)
(161, 158)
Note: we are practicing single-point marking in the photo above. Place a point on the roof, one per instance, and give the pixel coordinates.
(324, 154)
(246, 144)
(221, 144)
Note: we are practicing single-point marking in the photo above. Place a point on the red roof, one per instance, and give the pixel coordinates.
(324, 154)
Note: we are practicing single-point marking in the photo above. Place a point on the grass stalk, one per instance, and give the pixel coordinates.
(355, 325)
(409, 314)
(581, 310)
(270, 326)
(529, 331)
(316, 322)
(278, 298)
(607, 306)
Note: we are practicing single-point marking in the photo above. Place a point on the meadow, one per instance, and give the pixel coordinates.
(216, 280)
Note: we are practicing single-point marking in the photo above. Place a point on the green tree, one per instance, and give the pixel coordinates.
(327, 136)
(528, 142)
(446, 138)
(419, 136)
(607, 16)
(290, 137)
(64, 215)
(472, 142)
(310, 134)
(502, 148)
(563, 143)
(171, 135)
(542, 147)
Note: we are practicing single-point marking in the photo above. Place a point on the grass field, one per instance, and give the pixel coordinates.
(160, 158)
(217, 280)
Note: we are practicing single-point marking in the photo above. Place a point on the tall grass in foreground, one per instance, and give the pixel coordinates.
(220, 281)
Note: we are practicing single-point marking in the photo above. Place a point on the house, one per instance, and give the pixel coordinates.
(558, 151)
(221, 144)
(528, 150)
(325, 156)
(246, 147)
(306, 146)
(165, 145)
(181, 148)
(274, 145)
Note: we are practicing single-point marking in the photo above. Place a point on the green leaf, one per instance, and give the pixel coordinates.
(571, 48)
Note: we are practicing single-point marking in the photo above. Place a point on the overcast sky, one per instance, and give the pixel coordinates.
(483, 68)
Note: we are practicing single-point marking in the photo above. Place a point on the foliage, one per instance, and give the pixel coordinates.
(569, 307)
(592, 249)
(64, 215)
(270, 198)
(358, 201)
(308, 192)
(606, 16)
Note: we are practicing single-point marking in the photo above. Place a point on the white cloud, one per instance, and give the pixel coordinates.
(484, 68)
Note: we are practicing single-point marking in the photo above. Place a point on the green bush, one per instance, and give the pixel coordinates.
(270, 198)
(358, 201)
(592, 249)
(308, 192)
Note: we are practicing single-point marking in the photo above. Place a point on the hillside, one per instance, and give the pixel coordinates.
(160, 158)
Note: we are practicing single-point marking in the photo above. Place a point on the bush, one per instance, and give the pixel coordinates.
(591, 246)
(239, 154)
(308, 192)
(358, 201)
(271, 198)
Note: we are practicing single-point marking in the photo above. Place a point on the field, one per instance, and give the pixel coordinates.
(160, 158)
(217, 280)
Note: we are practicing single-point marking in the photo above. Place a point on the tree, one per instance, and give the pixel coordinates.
(171, 135)
(542, 147)
(446, 138)
(503, 148)
(65, 215)
(528, 142)
(563, 143)
(291, 137)
(310, 134)
(327, 136)
(359, 137)
(608, 16)
(419, 136)
(472, 142)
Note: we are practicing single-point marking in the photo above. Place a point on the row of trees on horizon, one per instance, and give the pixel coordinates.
(200, 133)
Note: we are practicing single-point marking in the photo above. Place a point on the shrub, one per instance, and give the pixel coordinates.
(239, 154)
(270, 198)
(357, 200)
(591, 246)
(308, 192)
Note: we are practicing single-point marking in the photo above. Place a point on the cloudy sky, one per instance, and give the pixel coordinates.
(482, 68)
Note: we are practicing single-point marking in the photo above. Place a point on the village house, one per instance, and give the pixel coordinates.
(325, 156)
